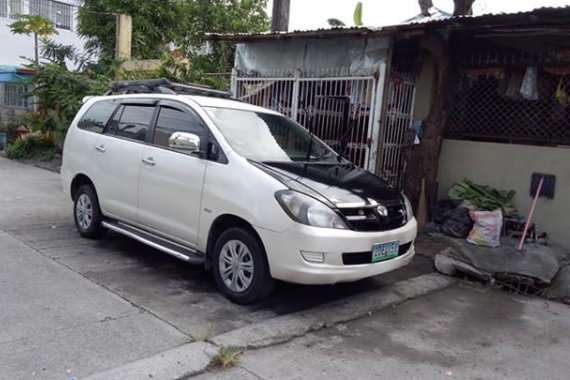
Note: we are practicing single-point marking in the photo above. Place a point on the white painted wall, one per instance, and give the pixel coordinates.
(12, 47)
(509, 166)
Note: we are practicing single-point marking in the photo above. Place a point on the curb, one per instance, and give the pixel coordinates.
(192, 359)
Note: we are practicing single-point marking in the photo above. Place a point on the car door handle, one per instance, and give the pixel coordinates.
(149, 161)
(100, 148)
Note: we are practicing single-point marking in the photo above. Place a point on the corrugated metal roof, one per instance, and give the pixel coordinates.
(439, 18)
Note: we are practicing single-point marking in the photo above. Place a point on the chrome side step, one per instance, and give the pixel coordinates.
(157, 242)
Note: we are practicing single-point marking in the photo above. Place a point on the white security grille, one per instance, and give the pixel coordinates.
(10, 8)
(60, 13)
(397, 120)
(338, 109)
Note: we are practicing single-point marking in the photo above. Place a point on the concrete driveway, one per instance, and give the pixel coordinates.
(75, 307)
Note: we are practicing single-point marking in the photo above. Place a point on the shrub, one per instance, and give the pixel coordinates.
(31, 146)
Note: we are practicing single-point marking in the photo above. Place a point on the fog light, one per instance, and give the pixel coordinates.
(313, 257)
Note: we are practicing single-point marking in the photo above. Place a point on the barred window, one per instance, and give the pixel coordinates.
(60, 13)
(10, 8)
(490, 107)
(13, 94)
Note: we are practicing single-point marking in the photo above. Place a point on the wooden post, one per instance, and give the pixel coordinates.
(123, 46)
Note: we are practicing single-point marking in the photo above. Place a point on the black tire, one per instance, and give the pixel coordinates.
(86, 197)
(261, 284)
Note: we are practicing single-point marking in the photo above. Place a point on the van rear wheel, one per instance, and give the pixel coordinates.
(240, 267)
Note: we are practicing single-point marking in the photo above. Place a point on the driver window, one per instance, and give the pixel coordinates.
(172, 120)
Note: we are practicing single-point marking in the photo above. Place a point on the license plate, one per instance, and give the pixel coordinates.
(385, 251)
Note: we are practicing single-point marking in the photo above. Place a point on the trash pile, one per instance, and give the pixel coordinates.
(473, 212)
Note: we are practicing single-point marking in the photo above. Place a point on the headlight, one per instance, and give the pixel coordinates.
(409, 209)
(307, 210)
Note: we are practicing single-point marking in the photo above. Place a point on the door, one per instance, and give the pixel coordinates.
(170, 182)
(118, 155)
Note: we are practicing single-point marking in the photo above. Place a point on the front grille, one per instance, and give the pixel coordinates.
(356, 258)
(368, 219)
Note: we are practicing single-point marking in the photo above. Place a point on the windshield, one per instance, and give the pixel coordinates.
(268, 137)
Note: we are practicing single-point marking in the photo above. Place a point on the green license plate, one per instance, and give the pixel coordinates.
(385, 251)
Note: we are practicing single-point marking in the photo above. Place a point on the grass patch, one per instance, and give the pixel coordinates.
(226, 357)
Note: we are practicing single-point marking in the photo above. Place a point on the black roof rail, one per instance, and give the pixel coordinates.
(164, 86)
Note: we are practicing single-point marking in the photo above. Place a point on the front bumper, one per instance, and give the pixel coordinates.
(286, 263)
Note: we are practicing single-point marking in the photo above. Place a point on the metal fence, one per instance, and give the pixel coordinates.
(397, 120)
(337, 108)
(490, 107)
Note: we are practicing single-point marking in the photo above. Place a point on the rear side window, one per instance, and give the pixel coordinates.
(135, 121)
(172, 120)
(97, 116)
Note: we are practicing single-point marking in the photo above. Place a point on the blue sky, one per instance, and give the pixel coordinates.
(313, 14)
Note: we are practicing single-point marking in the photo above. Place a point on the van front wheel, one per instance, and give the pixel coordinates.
(240, 267)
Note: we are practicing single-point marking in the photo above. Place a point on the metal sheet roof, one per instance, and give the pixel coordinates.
(438, 19)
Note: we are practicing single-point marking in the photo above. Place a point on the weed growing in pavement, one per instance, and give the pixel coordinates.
(226, 357)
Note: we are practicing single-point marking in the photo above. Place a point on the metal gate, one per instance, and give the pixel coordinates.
(398, 118)
(340, 110)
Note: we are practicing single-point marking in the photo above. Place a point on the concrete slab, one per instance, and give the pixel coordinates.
(287, 327)
(81, 350)
(535, 261)
(463, 332)
(177, 363)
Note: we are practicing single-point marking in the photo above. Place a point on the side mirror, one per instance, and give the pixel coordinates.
(184, 142)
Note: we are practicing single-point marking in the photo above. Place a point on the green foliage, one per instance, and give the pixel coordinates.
(154, 24)
(183, 23)
(32, 24)
(483, 197)
(226, 357)
(32, 146)
(357, 16)
(197, 70)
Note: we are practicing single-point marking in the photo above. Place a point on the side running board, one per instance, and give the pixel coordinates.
(157, 242)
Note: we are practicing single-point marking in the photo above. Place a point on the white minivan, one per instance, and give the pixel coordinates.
(242, 190)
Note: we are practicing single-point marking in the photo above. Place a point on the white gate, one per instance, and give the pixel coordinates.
(340, 110)
(398, 118)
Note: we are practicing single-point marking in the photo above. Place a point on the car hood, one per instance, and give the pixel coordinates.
(337, 184)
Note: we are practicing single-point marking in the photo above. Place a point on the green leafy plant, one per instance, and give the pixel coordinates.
(483, 197)
(226, 357)
(33, 24)
(32, 146)
(356, 17)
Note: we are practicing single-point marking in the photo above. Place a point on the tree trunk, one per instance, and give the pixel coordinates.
(463, 7)
(36, 50)
(280, 19)
(422, 160)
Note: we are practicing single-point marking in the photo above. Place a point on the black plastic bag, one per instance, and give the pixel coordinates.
(440, 209)
(457, 223)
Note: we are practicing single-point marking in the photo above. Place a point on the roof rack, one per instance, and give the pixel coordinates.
(163, 86)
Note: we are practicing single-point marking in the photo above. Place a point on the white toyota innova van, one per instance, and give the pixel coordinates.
(242, 190)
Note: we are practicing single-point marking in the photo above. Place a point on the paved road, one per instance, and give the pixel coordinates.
(69, 303)
(464, 332)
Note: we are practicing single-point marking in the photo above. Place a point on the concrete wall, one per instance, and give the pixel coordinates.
(509, 166)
